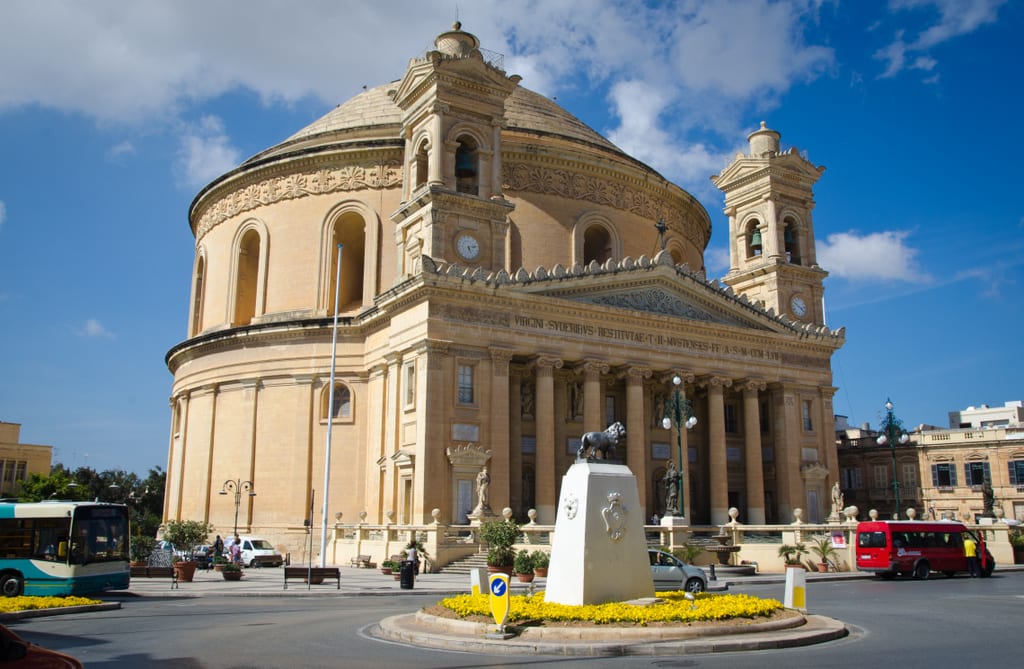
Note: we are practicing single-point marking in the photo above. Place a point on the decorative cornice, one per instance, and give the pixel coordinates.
(571, 184)
(379, 174)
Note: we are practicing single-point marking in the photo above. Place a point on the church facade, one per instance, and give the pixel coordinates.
(485, 278)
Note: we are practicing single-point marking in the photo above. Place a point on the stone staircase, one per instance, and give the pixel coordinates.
(465, 564)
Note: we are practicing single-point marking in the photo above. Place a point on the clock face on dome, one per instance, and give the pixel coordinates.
(467, 246)
(798, 306)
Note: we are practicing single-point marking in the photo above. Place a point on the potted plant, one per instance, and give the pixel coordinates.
(500, 537)
(139, 549)
(523, 566)
(219, 562)
(821, 546)
(231, 572)
(388, 567)
(541, 560)
(185, 535)
(1017, 542)
(792, 555)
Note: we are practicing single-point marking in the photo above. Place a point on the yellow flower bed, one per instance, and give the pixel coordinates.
(12, 604)
(673, 607)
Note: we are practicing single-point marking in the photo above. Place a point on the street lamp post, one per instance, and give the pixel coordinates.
(892, 433)
(679, 413)
(237, 487)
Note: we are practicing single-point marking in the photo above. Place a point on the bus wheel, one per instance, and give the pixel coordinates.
(11, 585)
(922, 571)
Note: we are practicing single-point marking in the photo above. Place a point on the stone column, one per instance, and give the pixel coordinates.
(636, 429)
(718, 466)
(771, 237)
(752, 452)
(515, 438)
(789, 485)
(435, 163)
(545, 410)
(592, 371)
(392, 417)
(499, 434)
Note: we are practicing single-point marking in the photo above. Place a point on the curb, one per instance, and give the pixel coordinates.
(59, 610)
(418, 630)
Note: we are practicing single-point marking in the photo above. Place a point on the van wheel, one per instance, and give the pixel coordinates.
(12, 585)
(922, 571)
(252, 563)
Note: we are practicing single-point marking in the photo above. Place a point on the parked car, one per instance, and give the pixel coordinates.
(258, 552)
(671, 573)
(16, 652)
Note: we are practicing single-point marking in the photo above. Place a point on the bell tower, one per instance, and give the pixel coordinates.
(768, 199)
(453, 113)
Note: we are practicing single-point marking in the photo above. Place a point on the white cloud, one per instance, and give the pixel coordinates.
(955, 18)
(124, 148)
(205, 152)
(93, 328)
(878, 256)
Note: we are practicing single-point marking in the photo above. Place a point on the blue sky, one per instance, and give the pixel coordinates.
(113, 115)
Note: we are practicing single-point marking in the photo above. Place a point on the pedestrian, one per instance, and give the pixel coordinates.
(971, 553)
(218, 547)
(412, 555)
(236, 551)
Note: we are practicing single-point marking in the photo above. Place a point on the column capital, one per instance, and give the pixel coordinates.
(755, 385)
(500, 355)
(715, 382)
(593, 367)
(635, 373)
(547, 362)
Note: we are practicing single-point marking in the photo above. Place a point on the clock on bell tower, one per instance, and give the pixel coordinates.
(769, 199)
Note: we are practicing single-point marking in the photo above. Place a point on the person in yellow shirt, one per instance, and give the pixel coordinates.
(971, 553)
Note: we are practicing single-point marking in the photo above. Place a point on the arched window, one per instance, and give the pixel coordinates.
(247, 279)
(791, 236)
(342, 408)
(597, 245)
(753, 239)
(198, 286)
(349, 231)
(467, 166)
(421, 163)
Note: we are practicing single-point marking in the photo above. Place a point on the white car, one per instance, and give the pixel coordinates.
(258, 552)
(671, 573)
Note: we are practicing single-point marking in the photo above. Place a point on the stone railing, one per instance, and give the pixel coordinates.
(758, 544)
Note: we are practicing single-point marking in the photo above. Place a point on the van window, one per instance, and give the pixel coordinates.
(871, 540)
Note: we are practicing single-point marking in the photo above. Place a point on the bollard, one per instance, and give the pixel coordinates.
(796, 589)
(713, 577)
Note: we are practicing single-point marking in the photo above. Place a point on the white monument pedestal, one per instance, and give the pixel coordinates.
(598, 551)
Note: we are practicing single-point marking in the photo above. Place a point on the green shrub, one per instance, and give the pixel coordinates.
(523, 563)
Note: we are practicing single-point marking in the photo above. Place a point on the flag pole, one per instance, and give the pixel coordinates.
(330, 416)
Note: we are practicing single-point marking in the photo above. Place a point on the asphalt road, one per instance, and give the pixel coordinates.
(938, 623)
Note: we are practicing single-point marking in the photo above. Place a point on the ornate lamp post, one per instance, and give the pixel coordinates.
(237, 487)
(680, 413)
(893, 433)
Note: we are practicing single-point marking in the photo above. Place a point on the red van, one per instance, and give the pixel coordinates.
(890, 547)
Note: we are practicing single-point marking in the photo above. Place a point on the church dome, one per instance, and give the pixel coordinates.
(374, 114)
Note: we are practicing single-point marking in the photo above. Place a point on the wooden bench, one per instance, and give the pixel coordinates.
(156, 572)
(363, 561)
(317, 574)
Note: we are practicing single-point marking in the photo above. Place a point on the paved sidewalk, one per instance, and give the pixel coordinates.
(269, 581)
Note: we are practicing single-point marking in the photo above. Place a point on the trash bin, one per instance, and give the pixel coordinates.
(407, 574)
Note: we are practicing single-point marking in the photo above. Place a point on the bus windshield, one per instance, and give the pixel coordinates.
(99, 534)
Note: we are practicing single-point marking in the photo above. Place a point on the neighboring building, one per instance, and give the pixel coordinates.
(18, 460)
(1011, 414)
(866, 471)
(941, 473)
(956, 463)
(498, 298)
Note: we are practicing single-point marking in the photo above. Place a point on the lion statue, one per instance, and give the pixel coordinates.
(601, 442)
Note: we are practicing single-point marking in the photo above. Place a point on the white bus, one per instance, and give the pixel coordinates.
(63, 548)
